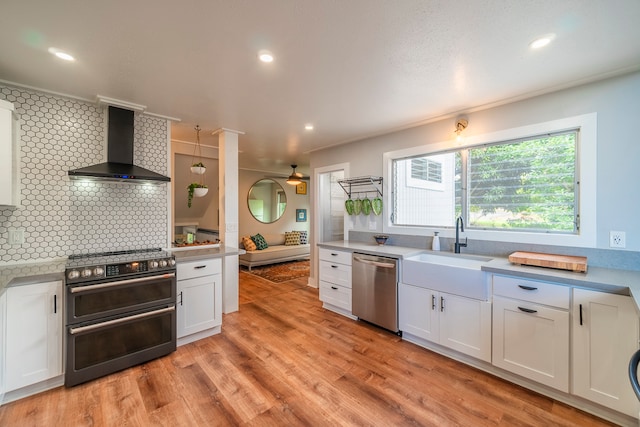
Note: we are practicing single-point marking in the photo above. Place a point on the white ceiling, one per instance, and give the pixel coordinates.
(353, 68)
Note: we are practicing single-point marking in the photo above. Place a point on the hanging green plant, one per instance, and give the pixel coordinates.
(197, 190)
(198, 167)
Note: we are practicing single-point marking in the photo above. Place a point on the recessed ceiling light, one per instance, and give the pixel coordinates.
(542, 41)
(61, 54)
(308, 126)
(265, 56)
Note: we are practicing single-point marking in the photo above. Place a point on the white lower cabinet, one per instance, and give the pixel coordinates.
(531, 329)
(605, 336)
(3, 343)
(532, 340)
(457, 322)
(335, 280)
(199, 299)
(33, 334)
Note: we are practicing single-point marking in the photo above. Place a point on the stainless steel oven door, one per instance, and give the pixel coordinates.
(95, 349)
(104, 298)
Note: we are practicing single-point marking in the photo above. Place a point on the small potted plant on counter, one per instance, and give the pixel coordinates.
(196, 190)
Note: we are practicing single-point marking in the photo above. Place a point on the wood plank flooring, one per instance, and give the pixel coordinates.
(282, 360)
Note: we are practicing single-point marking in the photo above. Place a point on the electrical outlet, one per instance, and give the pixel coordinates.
(617, 239)
(16, 236)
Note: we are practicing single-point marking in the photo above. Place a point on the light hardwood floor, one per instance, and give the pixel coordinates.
(283, 360)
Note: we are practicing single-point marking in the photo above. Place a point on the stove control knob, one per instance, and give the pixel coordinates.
(86, 273)
(98, 271)
(153, 264)
(163, 263)
(73, 274)
(172, 262)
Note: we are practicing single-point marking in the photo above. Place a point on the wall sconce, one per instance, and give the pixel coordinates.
(461, 124)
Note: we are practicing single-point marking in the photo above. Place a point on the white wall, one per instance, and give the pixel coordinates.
(250, 226)
(617, 104)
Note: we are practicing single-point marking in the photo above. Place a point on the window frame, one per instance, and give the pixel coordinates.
(586, 172)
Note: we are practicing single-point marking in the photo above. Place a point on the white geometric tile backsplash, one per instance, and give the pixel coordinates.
(63, 217)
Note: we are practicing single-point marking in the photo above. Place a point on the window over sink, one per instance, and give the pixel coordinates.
(515, 185)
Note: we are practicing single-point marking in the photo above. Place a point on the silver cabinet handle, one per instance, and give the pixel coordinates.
(433, 302)
(79, 289)
(100, 325)
(441, 303)
(376, 263)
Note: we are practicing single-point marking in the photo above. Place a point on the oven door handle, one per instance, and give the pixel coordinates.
(79, 289)
(100, 325)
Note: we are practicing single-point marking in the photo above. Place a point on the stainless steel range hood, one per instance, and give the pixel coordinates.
(119, 166)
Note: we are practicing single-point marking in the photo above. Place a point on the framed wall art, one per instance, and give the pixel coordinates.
(301, 188)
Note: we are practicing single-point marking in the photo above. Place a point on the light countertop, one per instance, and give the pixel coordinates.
(624, 282)
(26, 274)
(197, 254)
(372, 248)
(39, 272)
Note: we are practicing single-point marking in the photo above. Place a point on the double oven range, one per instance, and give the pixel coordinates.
(120, 311)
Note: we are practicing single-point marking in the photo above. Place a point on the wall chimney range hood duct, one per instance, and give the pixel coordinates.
(119, 166)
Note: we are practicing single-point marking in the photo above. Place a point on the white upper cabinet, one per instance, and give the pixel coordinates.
(9, 160)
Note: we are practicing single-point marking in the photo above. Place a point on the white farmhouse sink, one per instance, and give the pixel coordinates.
(452, 273)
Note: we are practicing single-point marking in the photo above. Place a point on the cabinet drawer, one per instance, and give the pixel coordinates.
(339, 257)
(532, 291)
(205, 267)
(335, 273)
(335, 295)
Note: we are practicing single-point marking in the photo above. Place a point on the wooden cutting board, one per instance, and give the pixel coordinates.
(562, 262)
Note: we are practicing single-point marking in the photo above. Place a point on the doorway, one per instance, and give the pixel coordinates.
(328, 208)
(330, 212)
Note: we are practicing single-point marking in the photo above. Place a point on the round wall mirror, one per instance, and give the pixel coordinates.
(267, 201)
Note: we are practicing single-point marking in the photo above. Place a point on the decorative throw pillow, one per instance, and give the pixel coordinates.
(291, 238)
(304, 239)
(248, 243)
(259, 241)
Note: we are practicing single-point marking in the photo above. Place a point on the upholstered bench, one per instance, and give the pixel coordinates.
(276, 252)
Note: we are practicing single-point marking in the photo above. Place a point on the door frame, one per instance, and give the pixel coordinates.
(316, 220)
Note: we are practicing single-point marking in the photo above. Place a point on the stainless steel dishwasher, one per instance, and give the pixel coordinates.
(375, 290)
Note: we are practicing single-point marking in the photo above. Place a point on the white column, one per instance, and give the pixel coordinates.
(228, 205)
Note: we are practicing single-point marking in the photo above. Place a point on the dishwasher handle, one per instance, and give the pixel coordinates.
(376, 263)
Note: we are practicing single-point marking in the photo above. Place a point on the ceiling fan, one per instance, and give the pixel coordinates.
(295, 178)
